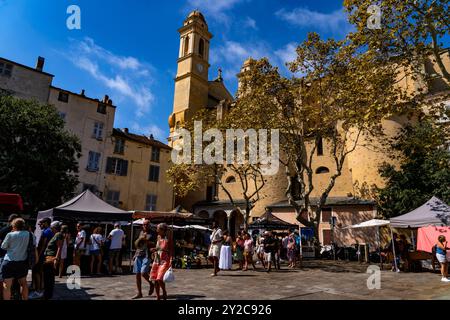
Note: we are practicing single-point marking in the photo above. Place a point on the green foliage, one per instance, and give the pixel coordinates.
(411, 29)
(38, 158)
(424, 171)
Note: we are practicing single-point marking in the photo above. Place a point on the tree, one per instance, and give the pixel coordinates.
(343, 95)
(187, 177)
(424, 151)
(413, 30)
(38, 158)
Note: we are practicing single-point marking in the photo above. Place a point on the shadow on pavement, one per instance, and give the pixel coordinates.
(63, 293)
(184, 296)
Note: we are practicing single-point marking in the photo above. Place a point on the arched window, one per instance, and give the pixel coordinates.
(322, 170)
(201, 47)
(186, 45)
(230, 179)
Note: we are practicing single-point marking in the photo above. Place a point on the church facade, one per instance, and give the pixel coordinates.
(347, 203)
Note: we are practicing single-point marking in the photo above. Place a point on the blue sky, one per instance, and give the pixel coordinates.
(128, 49)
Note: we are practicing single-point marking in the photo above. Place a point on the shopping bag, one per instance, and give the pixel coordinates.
(168, 276)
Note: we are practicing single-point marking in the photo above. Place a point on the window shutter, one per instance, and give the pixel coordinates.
(124, 170)
(109, 165)
(157, 174)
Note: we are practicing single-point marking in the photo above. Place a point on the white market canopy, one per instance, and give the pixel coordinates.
(140, 222)
(434, 212)
(368, 224)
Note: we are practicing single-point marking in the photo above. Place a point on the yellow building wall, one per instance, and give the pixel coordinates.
(80, 117)
(135, 187)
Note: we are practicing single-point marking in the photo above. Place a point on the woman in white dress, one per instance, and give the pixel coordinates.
(226, 259)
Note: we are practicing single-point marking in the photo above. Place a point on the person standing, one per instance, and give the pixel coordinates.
(38, 269)
(260, 250)
(215, 247)
(80, 245)
(52, 258)
(163, 259)
(15, 263)
(441, 255)
(278, 246)
(65, 245)
(248, 251)
(239, 250)
(3, 233)
(96, 250)
(284, 245)
(226, 258)
(291, 250)
(117, 237)
(142, 259)
(270, 250)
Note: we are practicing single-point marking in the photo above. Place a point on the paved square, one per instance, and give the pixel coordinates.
(317, 280)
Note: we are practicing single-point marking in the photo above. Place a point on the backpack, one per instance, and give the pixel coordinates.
(31, 254)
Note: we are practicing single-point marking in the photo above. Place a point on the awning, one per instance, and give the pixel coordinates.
(171, 217)
(434, 212)
(10, 203)
(270, 222)
(368, 224)
(86, 207)
(140, 222)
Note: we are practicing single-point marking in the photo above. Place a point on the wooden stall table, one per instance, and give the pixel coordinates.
(417, 256)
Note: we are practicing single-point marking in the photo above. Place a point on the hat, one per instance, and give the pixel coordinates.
(117, 224)
(55, 224)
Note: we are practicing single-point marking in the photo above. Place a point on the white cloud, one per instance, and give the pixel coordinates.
(127, 77)
(89, 47)
(214, 9)
(250, 23)
(335, 21)
(288, 53)
(231, 55)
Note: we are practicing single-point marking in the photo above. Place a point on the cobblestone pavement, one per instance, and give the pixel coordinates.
(315, 281)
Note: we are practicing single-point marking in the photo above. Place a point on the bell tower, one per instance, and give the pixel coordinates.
(191, 82)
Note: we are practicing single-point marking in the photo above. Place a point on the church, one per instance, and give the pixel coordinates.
(346, 204)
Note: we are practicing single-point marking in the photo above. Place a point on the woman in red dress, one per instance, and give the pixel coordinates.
(163, 259)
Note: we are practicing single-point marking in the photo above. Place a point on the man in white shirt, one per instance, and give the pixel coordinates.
(117, 237)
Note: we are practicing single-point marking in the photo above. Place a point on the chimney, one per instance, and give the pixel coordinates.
(82, 92)
(151, 137)
(125, 130)
(40, 64)
(106, 99)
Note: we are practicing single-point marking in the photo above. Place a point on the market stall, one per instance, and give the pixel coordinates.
(191, 235)
(429, 220)
(86, 208)
(268, 221)
(375, 223)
